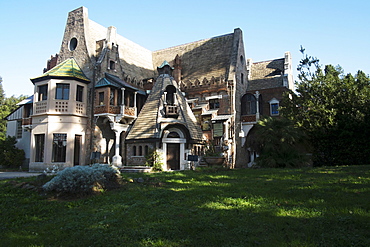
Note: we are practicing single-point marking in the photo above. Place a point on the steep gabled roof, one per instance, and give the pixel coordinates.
(66, 69)
(266, 74)
(201, 59)
(150, 122)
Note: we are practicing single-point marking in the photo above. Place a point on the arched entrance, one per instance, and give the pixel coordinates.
(174, 147)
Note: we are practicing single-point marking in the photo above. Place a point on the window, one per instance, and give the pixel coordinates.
(249, 105)
(111, 98)
(146, 150)
(19, 129)
(242, 78)
(274, 107)
(79, 93)
(39, 147)
(101, 98)
(43, 92)
(214, 104)
(170, 97)
(73, 44)
(27, 110)
(59, 147)
(206, 122)
(62, 91)
(134, 151)
(140, 151)
(112, 65)
(218, 129)
(173, 134)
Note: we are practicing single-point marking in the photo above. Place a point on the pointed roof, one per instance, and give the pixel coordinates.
(164, 64)
(66, 69)
(151, 122)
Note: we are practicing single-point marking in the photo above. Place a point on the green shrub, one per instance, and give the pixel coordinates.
(154, 160)
(84, 179)
(10, 155)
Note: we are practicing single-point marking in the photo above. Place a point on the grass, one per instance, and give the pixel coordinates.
(249, 207)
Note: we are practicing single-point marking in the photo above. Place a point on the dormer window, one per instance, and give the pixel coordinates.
(170, 95)
(170, 102)
(112, 65)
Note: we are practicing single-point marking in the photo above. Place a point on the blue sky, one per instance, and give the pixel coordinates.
(337, 32)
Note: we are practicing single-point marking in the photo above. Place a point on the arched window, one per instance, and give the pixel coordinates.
(249, 105)
(171, 90)
(173, 134)
(140, 151)
(134, 151)
(146, 150)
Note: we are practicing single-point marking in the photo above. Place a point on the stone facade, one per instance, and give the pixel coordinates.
(127, 110)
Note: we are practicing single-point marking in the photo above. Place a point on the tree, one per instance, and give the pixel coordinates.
(10, 155)
(7, 105)
(333, 109)
(280, 144)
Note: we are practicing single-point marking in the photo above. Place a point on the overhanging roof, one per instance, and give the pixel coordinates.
(66, 69)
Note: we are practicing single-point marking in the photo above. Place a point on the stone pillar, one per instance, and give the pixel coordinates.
(117, 159)
(123, 101)
(135, 93)
(165, 97)
(257, 95)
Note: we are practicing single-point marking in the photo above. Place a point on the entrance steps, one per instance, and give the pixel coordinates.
(132, 169)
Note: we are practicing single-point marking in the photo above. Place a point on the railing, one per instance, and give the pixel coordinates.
(41, 107)
(26, 121)
(131, 111)
(249, 118)
(107, 109)
(60, 107)
(172, 111)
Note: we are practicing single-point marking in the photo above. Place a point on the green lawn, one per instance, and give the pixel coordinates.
(248, 207)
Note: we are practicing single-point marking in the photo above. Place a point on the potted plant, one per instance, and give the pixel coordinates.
(213, 155)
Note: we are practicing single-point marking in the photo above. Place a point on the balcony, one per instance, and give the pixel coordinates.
(124, 110)
(129, 111)
(249, 118)
(171, 111)
(27, 121)
(107, 109)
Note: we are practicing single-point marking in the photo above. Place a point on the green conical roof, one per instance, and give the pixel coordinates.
(66, 69)
(164, 64)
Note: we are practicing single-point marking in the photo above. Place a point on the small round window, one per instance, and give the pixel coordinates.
(72, 44)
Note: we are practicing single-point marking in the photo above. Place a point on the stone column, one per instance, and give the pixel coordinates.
(123, 101)
(117, 159)
(257, 95)
(135, 93)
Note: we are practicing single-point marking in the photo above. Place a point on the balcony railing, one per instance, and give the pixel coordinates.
(60, 107)
(131, 111)
(172, 111)
(26, 121)
(107, 109)
(249, 118)
(128, 111)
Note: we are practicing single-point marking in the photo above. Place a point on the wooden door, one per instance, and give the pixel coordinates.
(173, 156)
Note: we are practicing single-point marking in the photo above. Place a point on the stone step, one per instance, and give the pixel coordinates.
(132, 169)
